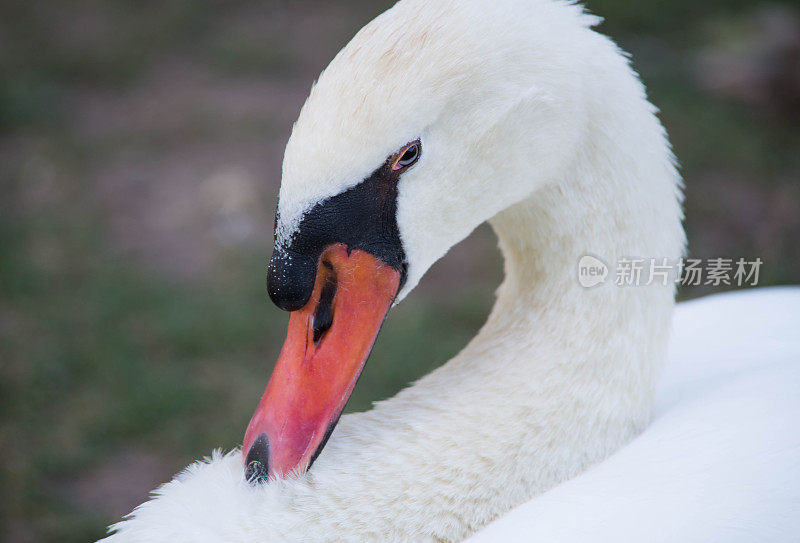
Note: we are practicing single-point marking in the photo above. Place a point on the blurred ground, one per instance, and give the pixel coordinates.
(140, 149)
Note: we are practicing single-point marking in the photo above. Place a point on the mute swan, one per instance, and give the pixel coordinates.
(436, 117)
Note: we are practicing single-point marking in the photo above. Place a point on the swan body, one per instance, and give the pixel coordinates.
(532, 121)
(718, 462)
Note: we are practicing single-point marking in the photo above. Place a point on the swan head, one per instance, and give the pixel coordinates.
(429, 122)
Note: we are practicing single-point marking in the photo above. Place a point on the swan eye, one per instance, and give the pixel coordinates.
(407, 156)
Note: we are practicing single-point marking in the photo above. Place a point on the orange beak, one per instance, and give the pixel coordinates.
(326, 347)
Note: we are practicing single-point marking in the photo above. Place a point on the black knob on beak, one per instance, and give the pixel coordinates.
(290, 279)
(257, 461)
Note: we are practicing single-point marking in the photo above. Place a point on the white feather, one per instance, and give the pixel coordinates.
(720, 460)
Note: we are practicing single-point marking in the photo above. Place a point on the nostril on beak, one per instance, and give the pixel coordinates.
(257, 470)
(323, 316)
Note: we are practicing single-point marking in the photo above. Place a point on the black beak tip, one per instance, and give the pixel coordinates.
(257, 464)
(290, 279)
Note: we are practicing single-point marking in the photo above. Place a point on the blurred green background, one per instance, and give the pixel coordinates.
(140, 150)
